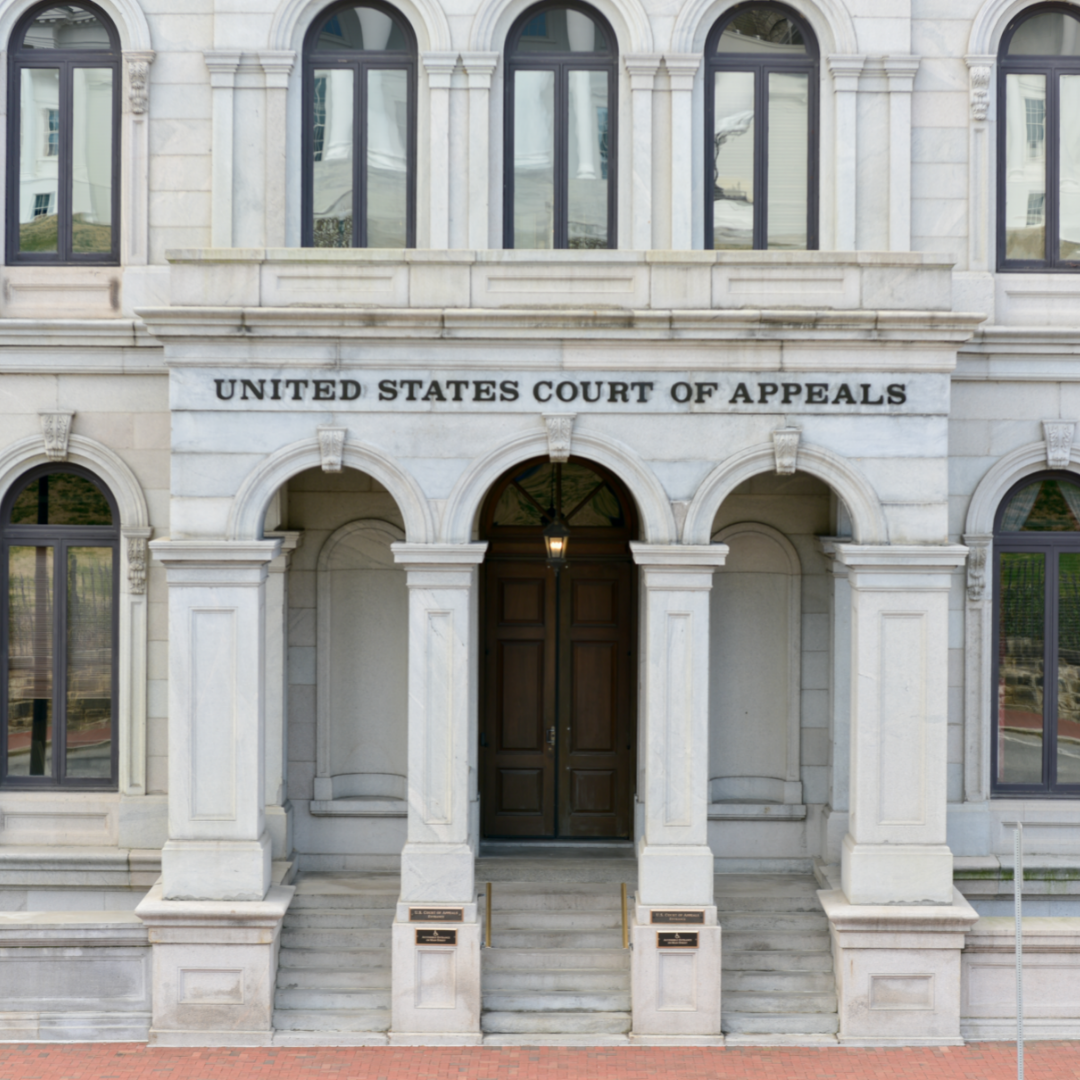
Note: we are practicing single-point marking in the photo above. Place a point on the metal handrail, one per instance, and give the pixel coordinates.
(625, 927)
(487, 919)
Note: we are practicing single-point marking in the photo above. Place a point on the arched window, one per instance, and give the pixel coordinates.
(359, 183)
(1039, 141)
(60, 566)
(1036, 730)
(761, 126)
(63, 200)
(561, 109)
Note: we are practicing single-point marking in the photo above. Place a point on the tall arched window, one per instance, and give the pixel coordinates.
(1036, 730)
(1039, 141)
(560, 130)
(359, 183)
(60, 567)
(63, 198)
(761, 127)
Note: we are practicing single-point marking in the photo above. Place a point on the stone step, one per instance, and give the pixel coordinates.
(553, 1023)
(779, 1003)
(741, 902)
(330, 918)
(771, 1024)
(561, 1001)
(333, 940)
(778, 941)
(531, 898)
(507, 959)
(558, 979)
(322, 978)
(784, 982)
(326, 998)
(332, 1019)
(335, 959)
(773, 921)
(567, 919)
(340, 902)
(562, 1039)
(761, 960)
(554, 939)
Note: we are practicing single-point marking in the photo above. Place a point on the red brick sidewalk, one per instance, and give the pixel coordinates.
(126, 1061)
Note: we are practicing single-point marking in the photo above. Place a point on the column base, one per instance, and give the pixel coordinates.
(675, 875)
(896, 873)
(438, 874)
(675, 989)
(214, 968)
(216, 869)
(898, 970)
(435, 987)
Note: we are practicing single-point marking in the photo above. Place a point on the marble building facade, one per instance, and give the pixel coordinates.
(814, 469)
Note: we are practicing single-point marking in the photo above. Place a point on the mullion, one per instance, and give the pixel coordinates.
(60, 592)
(359, 200)
(64, 186)
(561, 232)
(761, 157)
(1052, 137)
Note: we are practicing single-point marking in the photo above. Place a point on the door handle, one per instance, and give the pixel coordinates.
(551, 737)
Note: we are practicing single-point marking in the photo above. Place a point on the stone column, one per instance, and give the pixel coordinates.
(676, 988)
(277, 66)
(981, 163)
(895, 850)
(845, 72)
(901, 74)
(214, 921)
(135, 190)
(479, 67)
(278, 808)
(222, 65)
(440, 70)
(642, 68)
(436, 987)
(682, 68)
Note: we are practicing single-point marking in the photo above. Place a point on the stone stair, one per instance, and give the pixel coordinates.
(333, 984)
(777, 982)
(556, 973)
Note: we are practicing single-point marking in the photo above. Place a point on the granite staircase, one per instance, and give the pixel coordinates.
(556, 973)
(777, 981)
(333, 984)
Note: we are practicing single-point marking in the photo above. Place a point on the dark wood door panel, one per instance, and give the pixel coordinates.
(519, 721)
(594, 715)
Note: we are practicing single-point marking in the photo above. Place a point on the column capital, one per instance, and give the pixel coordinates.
(846, 69)
(642, 68)
(215, 562)
(290, 541)
(277, 65)
(687, 557)
(681, 69)
(440, 66)
(222, 65)
(901, 72)
(479, 67)
(439, 556)
(902, 558)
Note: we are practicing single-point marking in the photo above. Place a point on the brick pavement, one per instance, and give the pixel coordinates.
(127, 1061)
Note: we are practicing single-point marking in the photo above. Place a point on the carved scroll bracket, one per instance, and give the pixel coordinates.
(977, 561)
(138, 70)
(56, 429)
(786, 446)
(560, 429)
(979, 78)
(1059, 440)
(137, 555)
(332, 447)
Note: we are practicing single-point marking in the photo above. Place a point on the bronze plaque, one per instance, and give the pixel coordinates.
(435, 914)
(673, 939)
(436, 937)
(679, 918)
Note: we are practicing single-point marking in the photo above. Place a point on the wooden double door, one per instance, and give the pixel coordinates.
(557, 722)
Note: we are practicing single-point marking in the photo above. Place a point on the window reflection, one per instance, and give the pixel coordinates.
(534, 159)
(733, 171)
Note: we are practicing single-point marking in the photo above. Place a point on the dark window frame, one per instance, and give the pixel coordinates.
(762, 66)
(1051, 67)
(359, 62)
(66, 60)
(1051, 545)
(60, 538)
(561, 63)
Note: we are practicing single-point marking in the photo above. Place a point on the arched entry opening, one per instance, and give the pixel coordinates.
(557, 710)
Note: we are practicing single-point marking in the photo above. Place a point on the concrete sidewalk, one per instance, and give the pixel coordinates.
(128, 1061)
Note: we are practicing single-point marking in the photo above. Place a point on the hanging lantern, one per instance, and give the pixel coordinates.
(556, 540)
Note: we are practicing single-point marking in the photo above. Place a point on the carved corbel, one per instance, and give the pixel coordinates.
(138, 71)
(979, 79)
(1059, 440)
(332, 448)
(786, 447)
(978, 552)
(56, 429)
(137, 555)
(560, 429)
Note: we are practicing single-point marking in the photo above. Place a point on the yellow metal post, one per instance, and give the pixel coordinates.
(625, 928)
(487, 918)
